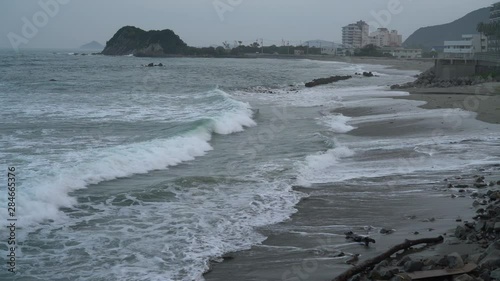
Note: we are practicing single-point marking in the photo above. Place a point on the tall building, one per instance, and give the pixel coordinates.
(385, 38)
(493, 41)
(395, 39)
(356, 34)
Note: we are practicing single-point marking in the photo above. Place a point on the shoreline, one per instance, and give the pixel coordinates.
(293, 252)
(421, 64)
(483, 99)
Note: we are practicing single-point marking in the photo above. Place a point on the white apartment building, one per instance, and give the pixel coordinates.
(385, 38)
(356, 34)
(467, 47)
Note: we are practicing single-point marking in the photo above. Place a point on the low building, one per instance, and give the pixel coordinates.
(467, 47)
(403, 53)
(298, 52)
(331, 51)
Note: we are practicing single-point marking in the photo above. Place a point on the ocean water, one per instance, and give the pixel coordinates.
(127, 172)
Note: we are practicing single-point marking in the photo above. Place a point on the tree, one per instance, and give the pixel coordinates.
(369, 50)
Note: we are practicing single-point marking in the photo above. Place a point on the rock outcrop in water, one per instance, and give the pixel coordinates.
(324, 81)
(155, 43)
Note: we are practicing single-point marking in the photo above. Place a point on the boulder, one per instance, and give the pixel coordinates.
(383, 273)
(490, 226)
(491, 256)
(460, 232)
(496, 228)
(480, 226)
(412, 266)
(455, 261)
(480, 185)
(443, 261)
(485, 275)
(403, 261)
(495, 274)
(494, 195)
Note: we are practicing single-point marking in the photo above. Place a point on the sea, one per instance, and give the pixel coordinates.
(126, 172)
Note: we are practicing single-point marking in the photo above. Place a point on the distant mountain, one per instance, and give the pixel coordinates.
(432, 36)
(132, 40)
(94, 45)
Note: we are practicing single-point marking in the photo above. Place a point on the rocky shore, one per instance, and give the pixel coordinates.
(482, 231)
(428, 79)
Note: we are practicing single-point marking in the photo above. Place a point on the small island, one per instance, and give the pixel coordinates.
(155, 43)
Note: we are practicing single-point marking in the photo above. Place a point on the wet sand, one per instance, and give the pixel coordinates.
(421, 64)
(308, 245)
(483, 99)
(400, 64)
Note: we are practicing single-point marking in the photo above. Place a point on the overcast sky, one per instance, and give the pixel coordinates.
(208, 22)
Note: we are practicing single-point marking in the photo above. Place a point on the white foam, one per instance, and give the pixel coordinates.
(338, 123)
(315, 167)
(46, 189)
(234, 121)
(183, 233)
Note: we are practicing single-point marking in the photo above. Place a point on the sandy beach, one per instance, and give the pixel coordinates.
(400, 64)
(312, 245)
(483, 99)
(421, 64)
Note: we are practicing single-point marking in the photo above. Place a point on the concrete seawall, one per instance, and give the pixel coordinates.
(448, 69)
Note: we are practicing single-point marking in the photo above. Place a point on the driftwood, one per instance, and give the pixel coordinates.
(358, 238)
(376, 260)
